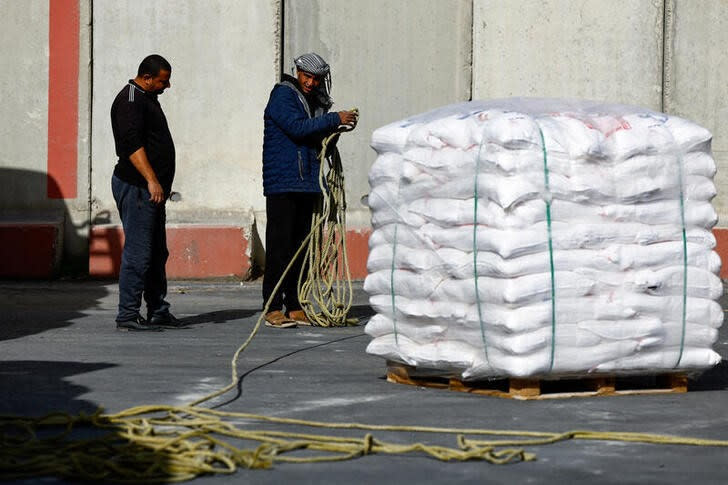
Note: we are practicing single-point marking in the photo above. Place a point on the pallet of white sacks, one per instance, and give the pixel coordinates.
(537, 389)
(565, 245)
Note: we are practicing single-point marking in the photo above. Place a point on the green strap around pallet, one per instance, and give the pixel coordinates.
(391, 285)
(394, 264)
(547, 200)
(475, 252)
(685, 255)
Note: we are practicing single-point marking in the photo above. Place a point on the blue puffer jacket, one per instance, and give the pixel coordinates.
(292, 139)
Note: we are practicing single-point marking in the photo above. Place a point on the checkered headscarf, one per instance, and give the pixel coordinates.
(315, 64)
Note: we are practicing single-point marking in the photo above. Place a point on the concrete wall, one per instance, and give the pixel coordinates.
(225, 58)
(25, 97)
(696, 86)
(390, 59)
(43, 180)
(610, 51)
(224, 61)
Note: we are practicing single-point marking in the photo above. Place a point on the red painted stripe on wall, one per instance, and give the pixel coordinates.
(721, 247)
(63, 39)
(195, 251)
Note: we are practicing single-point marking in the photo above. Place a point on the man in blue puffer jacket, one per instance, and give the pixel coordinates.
(296, 121)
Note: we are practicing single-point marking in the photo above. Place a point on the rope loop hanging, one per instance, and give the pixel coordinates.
(324, 283)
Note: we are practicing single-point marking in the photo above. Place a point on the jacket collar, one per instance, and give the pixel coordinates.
(292, 83)
(135, 87)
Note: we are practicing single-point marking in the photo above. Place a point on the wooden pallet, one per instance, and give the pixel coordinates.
(515, 388)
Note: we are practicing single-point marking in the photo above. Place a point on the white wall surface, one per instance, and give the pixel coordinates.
(609, 51)
(24, 95)
(24, 37)
(391, 59)
(696, 81)
(224, 61)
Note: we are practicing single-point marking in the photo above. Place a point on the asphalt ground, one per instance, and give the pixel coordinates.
(60, 351)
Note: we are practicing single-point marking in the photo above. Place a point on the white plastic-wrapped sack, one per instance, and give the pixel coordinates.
(543, 237)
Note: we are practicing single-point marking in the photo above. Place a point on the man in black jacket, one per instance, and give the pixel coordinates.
(141, 184)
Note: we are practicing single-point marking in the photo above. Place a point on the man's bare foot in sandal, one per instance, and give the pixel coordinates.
(300, 317)
(277, 319)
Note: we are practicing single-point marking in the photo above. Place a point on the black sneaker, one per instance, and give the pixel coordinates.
(167, 321)
(137, 325)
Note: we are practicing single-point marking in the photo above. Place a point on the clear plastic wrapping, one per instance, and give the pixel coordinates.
(522, 210)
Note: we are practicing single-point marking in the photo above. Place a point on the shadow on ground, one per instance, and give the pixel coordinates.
(714, 379)
(42, 412)
(23, 312)
(46, 430)
(218, 316)
(362, 312)
(41, 387)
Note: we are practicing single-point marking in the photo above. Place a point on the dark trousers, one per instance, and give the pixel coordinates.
(145, 252)
(289, 222)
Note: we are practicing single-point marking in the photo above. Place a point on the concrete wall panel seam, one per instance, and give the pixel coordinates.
(668, 37)
(90, 94)
(470, 50)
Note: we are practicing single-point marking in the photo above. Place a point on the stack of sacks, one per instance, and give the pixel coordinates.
(543, 237)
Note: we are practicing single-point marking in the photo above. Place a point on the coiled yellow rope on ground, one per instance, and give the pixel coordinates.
(163, 444)
(155, 444)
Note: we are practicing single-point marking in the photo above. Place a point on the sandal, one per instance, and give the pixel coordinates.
(300, 317)
(277, 319)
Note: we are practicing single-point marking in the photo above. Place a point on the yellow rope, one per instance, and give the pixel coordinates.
(324, 284)
(163, 444)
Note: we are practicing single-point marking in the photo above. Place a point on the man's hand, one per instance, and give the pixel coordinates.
(348, 118)
(156, 192)
(141, 163)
